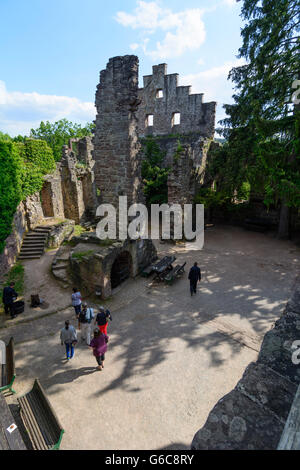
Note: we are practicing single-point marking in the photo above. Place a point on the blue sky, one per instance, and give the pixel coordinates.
(51, 53)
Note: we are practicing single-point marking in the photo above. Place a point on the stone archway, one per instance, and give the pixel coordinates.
(121, 269)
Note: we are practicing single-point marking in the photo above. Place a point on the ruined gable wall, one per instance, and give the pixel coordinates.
(195, 116)
(116, 145)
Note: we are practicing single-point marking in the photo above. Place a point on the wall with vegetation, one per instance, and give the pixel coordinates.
(22, 167)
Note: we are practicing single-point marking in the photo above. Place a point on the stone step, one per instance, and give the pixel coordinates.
(32, 249)
(39, 249)
(57, 268)
(34, 253)
(61, 275)
(29, 256)
(36, 234)
(34, 240)
(41, 230)
(33, 244)
(35, 237)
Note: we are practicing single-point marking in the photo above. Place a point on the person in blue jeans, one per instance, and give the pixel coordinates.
(68, 337)
(76, 302)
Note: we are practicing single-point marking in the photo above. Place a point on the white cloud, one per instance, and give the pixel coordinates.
(230, 3)
(183, 31)
(19, 112)
(145, 16)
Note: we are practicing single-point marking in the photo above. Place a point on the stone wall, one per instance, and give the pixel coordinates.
(195, 115)
(51, 195)
(74, 195)
(91, 262)
(33, 210)
(122, 109)
(116, 146)
(253, 415)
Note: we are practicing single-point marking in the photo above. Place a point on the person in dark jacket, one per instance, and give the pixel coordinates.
(8, 298)
(194, 277)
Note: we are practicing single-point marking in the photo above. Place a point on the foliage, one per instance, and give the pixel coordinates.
(155, 176)
(10, 187)
(22, 167)
(37, 161)
(78, 230)
(82, 254)
(5, 137)
(211, 198)
(59, 133)
(178, 152)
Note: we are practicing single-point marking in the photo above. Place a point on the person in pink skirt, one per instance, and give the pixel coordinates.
(99, 346)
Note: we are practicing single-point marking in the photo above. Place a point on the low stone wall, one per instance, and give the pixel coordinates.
(59, 233)
(91, 262)
(253, 415)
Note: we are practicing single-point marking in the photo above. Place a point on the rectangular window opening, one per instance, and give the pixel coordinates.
(149, 120)
(176, 119)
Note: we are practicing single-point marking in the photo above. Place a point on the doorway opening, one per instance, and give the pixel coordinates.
(121, 269)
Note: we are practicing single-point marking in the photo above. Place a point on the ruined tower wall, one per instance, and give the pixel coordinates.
(195, 116)
(116, 145)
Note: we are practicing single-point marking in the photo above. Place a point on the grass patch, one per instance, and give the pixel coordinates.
(78, 230)
(82, 254)
(81, 165)
(106, 242)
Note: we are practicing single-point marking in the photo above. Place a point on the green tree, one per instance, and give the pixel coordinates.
(59, 133)
(5, 137)
(262, 125)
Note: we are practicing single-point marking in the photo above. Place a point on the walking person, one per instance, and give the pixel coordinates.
(102, 319)
(8, 298)
(99, 346)
(76, 302)
(85, 319)
(194, 277)
(68, 337)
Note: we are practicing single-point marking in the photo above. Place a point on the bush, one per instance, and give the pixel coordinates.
(22, 167)
(10, 187)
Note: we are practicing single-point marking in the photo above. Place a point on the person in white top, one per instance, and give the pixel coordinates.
(85, 319)
(76, 301)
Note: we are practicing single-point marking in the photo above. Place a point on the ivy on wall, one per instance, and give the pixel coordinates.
(22, 168)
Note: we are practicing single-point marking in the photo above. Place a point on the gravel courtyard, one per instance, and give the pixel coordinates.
(171, 356)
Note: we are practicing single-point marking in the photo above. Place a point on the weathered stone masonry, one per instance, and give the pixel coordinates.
(195, 115)
(116, 144)
(122, 113)
(253, 415)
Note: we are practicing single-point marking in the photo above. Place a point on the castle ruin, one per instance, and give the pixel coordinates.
(162, 109)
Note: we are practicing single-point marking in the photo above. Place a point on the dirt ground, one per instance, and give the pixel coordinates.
(171, 356)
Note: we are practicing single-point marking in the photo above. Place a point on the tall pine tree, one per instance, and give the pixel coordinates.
(262, 126)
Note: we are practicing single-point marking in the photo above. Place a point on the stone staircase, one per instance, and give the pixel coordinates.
(33, 245)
